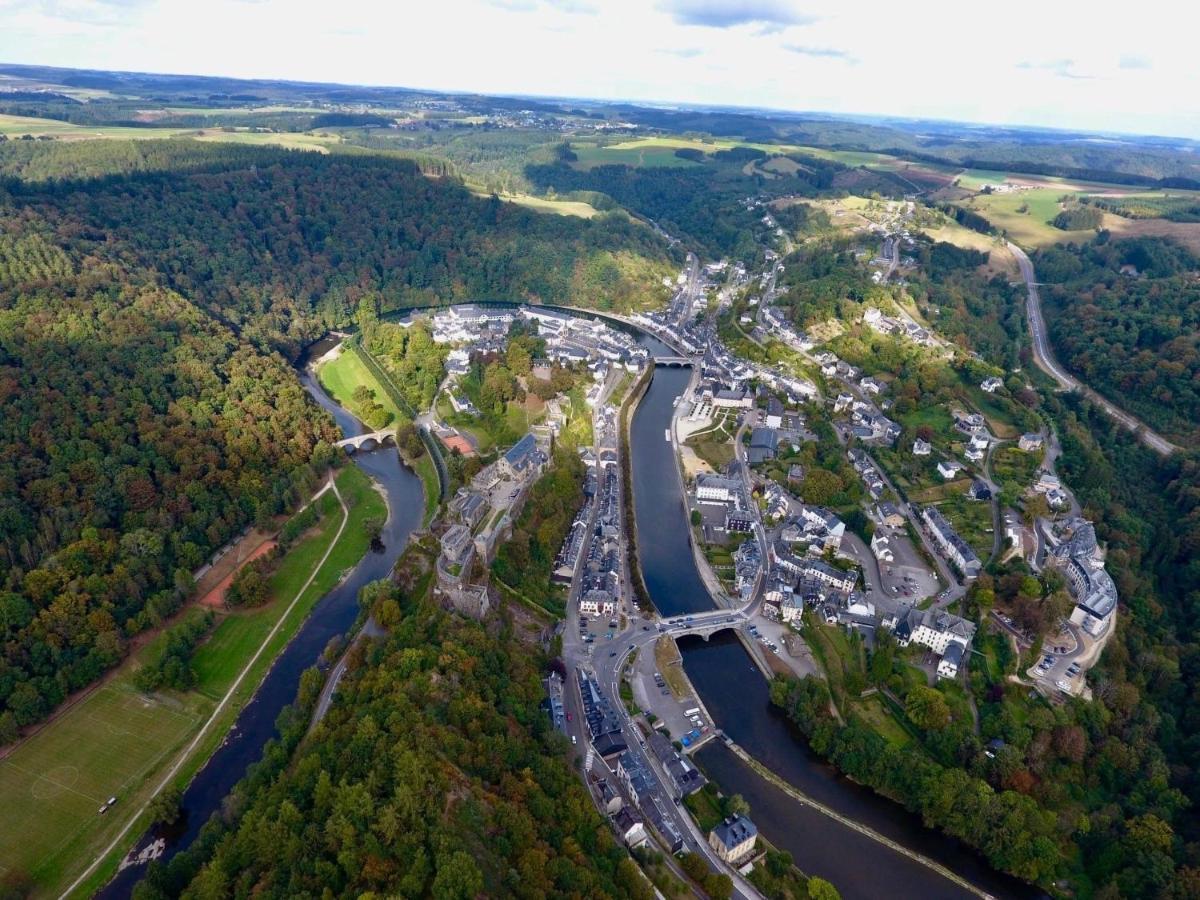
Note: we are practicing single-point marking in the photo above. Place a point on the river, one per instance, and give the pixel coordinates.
(333, 615)
(736, 695)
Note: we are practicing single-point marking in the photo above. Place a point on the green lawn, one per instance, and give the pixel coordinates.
(242, 631)
(876, 713)
(937, 417)
(117, 741)
(1031, 228)
(1013, 469)
(16, 126)
(971, 519)
(342, 375)
(54, 784)
(427, 471)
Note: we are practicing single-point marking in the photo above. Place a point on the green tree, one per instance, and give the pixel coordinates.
(927, 708)
(164, 808)
(820, 889)
(458, 878)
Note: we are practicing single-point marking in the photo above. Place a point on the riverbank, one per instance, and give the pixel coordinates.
(734, 690)
(120, 742)
(341, 374)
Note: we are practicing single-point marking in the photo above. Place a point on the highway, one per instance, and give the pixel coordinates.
(1043, 356)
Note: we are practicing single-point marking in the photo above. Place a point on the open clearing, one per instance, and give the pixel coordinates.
(116, 740)
(17, 126)
(546, 205)
(342, 374)
(592, 155)
(1187, 233)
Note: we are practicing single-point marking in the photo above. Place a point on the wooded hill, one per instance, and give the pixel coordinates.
(1133, 335)
(146, 321)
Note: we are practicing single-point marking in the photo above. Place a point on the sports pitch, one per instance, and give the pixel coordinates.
(55, 783)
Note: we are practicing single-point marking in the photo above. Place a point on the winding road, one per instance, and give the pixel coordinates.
(1043, 356)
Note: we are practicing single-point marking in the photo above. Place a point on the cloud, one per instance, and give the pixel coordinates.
(1134, 62)
(820, 52)
(78, 12)
(566, 6)
(773, 14)
(1062, 68)
(682, 52)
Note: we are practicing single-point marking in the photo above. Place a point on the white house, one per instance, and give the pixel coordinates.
(991, 385)
(922, 448)
(948, 469)
(716, 488)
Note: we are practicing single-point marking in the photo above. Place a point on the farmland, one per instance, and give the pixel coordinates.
(18, 126)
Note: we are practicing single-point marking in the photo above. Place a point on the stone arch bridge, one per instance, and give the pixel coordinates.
(368, 441)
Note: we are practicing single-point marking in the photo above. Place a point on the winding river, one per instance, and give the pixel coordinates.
(333, 615)
(736, 695)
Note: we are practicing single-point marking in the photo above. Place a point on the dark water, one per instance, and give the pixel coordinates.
(664, 535)
(333, 615)
(736, 696)
(735, 693)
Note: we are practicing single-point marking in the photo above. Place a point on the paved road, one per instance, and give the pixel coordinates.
(1043, 355)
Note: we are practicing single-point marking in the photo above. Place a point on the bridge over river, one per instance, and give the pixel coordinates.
(371, 440)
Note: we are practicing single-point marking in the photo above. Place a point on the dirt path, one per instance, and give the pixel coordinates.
(215, 598)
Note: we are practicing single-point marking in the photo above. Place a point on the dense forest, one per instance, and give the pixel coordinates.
(283, 244)
(149, 413)
(139, 434)
(1133, 335)
(823, 280)
(435, 774)
(979, 313)
(702, 204)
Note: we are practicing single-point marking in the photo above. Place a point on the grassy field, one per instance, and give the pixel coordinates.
(876, 713)
(292, 140)
(432, 488)
(1031, 228)
(16, 126)
(542, 204)
(342, 375)
(937, 417)
(999, 259)
(117, 741)
(631, 153)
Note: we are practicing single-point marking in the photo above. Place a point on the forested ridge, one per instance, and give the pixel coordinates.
(435, 774)
(283, 244)
(1134, 335)
(146, 323)
(139, 434)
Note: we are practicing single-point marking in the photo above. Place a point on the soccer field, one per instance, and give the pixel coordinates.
(54, 784)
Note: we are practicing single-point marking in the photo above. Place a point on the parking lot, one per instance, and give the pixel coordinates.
(907, 575)
(684, 718)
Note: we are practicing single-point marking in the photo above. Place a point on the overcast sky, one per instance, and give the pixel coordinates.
(1100, 66)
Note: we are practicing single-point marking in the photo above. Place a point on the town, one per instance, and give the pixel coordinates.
(893, 554)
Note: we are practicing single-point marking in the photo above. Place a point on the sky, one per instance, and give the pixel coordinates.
(1097, 66)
